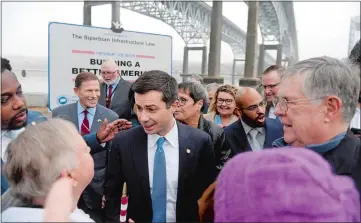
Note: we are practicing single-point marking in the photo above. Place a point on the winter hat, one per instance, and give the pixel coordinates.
(284, 185)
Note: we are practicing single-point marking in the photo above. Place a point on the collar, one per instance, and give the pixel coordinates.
(327, 146)
(248, 128)
(280, 142)
(11, 133)
(81, 109)
(115, 84)
(171, 137)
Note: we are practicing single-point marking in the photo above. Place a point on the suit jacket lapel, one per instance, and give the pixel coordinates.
(186, 157)
(118, 92)
(98, 115)
(103, 94)
(74, 114)
(241, 137)
(269, 136)
(139, 153)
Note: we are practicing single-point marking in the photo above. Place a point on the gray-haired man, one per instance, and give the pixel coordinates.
(316, 101)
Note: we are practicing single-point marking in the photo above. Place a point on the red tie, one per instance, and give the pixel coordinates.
(109, 97)
(85, 125)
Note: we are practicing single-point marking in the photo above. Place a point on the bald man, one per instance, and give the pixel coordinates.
(253, 131)
(114, 90)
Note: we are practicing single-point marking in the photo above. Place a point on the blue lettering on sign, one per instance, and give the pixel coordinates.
(62, 100)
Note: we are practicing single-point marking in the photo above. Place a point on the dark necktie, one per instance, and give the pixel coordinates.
(159, 190)
(109, 97)
(84, 129)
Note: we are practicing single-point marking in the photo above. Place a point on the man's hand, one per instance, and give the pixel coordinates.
(122, 124)
(107, 130)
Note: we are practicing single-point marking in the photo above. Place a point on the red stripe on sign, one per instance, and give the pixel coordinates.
(123, 213)
(83, 51)
(145, 56)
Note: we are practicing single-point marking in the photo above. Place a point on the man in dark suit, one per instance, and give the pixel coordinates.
(253, 131)
(88, 116)
(166, 165)
(114, 89)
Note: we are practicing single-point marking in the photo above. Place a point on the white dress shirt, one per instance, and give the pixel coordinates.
(271, 113)
(171, 151)
(6, 137)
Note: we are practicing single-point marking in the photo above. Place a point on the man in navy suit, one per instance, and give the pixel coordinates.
(253, 131)
(166, 165)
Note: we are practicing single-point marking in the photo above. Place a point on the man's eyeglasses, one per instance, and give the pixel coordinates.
(254, 107)
(220, 101)
(283, 103)
(108, 72)
(271, 86)
(182, 101)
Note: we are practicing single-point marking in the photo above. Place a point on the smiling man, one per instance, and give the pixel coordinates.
(166, 165)
(253, 131)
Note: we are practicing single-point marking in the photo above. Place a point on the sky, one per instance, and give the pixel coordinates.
(322, 27)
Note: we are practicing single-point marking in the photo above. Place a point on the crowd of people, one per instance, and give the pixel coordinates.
(188, 152)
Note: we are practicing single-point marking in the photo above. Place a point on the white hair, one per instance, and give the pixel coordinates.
(37, 157)
(326, 76)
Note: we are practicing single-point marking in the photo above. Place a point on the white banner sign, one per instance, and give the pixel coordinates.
(74, 49)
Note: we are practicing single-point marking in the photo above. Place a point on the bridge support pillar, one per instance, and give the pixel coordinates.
(87, 14)
(262, 52)
(250, 76)
(115, 14)
(214, 60)
(235, 60)
(185, 74)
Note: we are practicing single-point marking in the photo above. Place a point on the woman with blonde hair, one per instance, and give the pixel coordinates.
(36, 159)
(223, 110)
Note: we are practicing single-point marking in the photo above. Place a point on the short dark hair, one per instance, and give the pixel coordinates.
(196, 91)
(275, 67)
(5, 65)
(85, 76)
(157, 80)
(355, 54)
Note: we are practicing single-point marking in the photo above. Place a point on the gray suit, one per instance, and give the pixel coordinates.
(119, 102)
(92, 195)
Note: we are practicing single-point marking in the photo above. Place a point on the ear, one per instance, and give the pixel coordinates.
(76, 91)
(200, 104)
(333, 106)
(174, 106)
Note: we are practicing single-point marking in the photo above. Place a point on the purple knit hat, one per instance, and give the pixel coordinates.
(284, 185)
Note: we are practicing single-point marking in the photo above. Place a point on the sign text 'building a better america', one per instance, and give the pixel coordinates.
(74, 49)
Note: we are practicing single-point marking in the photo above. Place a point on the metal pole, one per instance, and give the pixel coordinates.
(115, 13)
(233, 71)
(185, 62)
(204, 60)
(252, 37)
(87, 14)
(279, 55)
(214, 62)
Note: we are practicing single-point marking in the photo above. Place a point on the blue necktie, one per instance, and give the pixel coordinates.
(159, 191)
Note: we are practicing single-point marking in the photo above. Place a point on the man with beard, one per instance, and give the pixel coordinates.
(271, 78)
(114, 90)
(253, 131)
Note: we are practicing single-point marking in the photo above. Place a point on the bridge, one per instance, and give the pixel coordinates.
(192, 21)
